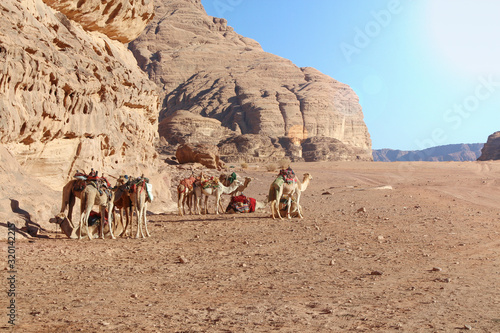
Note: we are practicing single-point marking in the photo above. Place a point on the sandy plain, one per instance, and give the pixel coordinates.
(383, 247)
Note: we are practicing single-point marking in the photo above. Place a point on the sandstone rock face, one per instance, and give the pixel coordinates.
(491, 150)
(330, 149)
(250, 148)
(72, 99)
(207, 69)
(183, 127)
(122, 20)
(205, 154)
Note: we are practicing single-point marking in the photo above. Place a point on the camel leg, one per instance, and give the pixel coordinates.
(180, 202)
(289, 204)
(299, 209)
(217, 202)
(206, 204)
(110, 219)
(71, 204)
(146, 221)
(279, 193)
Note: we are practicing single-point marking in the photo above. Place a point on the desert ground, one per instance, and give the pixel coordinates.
(383, 247)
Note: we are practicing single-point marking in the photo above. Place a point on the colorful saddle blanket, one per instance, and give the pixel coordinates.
(288, 175)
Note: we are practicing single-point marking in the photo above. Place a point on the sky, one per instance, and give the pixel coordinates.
(427, 72)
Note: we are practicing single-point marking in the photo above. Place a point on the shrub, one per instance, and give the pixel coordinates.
(244, 165)
(284, 163)
(272, 167)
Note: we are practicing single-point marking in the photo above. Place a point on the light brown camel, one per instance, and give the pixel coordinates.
(72, 232)
(72, 190)
(242, 187)
(280, 188)
(91, 197)
(140, 204)
(216, 190)
(185, 192)
(296, 210)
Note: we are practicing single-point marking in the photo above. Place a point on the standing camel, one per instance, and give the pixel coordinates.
(91, 197)
(185, 193)
(140, 204)
(280, 188)
(72, 190)
(217, 190)
(242, 187)
(123, 203)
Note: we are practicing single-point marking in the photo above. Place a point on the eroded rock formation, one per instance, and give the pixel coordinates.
(73, 99)
(207, 69)
(205, 154)
(491, 149)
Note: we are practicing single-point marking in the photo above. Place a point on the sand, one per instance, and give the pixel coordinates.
(383, 247)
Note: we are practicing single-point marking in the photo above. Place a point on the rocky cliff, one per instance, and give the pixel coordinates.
(72, 96)
(491, 150)
(454, 152)
(206, 69)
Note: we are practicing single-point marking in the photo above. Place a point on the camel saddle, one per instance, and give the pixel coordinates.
(288, 175)
(188, 182)
(242, 204)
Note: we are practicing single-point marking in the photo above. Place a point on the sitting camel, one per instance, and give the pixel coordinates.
(280, 188)
(296, 210)
(72, 232)
(215, 190)
(90, 197)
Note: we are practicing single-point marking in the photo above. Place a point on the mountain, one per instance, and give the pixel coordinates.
(206, 72)
(454, 152)
(491, 150)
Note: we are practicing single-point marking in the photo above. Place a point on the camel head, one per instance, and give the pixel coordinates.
(59, 218)
(307, 176)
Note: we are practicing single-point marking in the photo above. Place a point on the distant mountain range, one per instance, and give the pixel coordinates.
(455, 152)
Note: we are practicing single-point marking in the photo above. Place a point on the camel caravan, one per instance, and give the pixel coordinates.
(132, 194)
(129, 195)
(284, 194)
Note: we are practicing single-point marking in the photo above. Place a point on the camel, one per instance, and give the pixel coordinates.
(69, 229)
(185, 192)
(72, 190)
(123, 203)
(140, 203)
(296, 211)
(242, 187)
(280, 188)
(91, 197)
(216, 191)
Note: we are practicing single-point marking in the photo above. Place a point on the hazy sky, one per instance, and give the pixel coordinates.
(427, 72)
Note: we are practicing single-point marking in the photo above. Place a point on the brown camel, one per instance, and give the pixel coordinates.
(185, 192)
(90, 197)
(123, 203)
